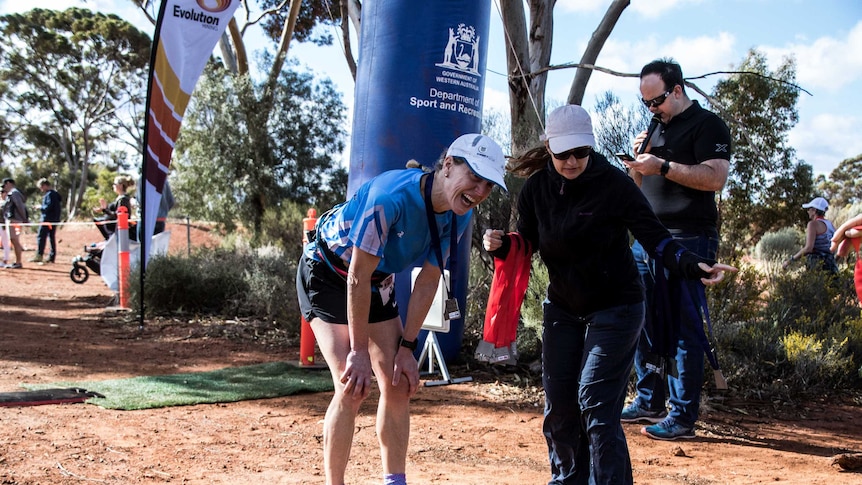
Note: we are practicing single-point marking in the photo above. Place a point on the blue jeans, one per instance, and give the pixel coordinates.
(586, 443)
(47, 233)
(683, 390)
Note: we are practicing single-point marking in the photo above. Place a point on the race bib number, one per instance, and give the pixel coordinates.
(387, 288)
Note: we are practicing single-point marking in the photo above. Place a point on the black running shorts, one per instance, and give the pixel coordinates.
(322, 294)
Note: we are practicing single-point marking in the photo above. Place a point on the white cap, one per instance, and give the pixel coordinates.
(483, 155)
(569, 127)
(818, 203)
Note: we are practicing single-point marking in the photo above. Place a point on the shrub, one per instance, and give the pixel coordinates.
(779, 245)
(803, 335)
(244, 282)
(818, 363)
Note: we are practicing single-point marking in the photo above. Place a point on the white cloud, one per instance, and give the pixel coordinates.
(827, 63)
(652, 9)
(647, 8)
(582, 5)
(823, 140)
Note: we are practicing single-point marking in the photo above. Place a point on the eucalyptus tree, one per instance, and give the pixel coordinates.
(221, 177)
(70, 78)
(843, 187)
(767, 184)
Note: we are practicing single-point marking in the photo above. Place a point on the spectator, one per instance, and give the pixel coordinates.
(576, 209)
(4, 233)
(683, 164)
(109, 211)
(51, 214)
(345, 285)
(14, 213)
(818, 238)
(166, 203)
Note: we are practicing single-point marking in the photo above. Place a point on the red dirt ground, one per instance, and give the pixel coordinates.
(486, 431)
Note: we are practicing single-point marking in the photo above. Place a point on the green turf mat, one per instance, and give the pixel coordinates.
(232, 384)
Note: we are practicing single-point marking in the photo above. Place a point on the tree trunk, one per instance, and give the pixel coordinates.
(594, 47)
(524, 55)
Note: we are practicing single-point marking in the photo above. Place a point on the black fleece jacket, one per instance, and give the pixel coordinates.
(580, 228)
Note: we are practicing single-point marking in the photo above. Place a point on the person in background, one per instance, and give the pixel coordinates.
(50, 216)
(4, 233)
(14, 213)
(577, 210)
(684, 163)
(345, 286)
(166, 203)
(109, 211)
(818, 238)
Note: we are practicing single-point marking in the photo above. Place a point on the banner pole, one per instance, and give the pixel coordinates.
(143, 186)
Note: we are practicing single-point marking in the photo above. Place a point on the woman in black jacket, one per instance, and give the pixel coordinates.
(577, 210)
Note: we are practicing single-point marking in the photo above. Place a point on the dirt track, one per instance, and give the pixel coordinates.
(474, 433)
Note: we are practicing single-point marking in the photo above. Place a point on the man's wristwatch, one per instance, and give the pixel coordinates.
(406, 343)
(665, 167)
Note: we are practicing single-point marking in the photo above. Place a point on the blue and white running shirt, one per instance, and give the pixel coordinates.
(386, 217)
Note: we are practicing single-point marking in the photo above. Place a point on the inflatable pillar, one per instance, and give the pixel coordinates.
(419, 86)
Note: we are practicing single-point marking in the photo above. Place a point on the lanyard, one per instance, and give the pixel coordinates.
(435, 236)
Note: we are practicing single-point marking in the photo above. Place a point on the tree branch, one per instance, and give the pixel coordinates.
(782, 81)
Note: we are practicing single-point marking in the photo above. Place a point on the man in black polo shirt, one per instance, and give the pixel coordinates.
(685, 164)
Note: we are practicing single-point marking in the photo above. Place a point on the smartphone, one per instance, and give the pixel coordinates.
(625, 157)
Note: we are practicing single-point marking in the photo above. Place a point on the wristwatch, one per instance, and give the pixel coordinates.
(406, 343)
(665, 167)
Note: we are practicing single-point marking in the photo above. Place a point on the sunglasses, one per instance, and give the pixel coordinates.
(580, 152)
(657, 101)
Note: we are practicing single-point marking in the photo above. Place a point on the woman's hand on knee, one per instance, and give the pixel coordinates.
(357, 374)
(407, 368)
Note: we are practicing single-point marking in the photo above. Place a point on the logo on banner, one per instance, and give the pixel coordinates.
(462, 50)
(214, 6)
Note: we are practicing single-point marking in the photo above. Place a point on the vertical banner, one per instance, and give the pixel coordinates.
(185, 36)
(419, 86)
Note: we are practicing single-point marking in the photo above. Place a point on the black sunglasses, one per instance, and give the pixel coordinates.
(657, 101)
(580, 152)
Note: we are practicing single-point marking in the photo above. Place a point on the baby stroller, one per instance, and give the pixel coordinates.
(90, 261)
(92, 257)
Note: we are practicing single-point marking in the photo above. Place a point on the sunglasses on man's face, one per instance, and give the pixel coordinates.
(656, 101)
(580, 152)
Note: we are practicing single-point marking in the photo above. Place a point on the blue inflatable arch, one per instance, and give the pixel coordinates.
(419, 85)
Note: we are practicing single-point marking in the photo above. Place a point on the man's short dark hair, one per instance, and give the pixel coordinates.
(668, 70)
(8, 180)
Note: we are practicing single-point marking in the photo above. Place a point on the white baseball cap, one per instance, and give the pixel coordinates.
(483, 155)
(568, 127)
(818, 203)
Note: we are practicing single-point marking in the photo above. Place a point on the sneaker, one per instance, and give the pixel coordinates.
(635, 414)
(668, 430)
(36, 259)
(14, 266)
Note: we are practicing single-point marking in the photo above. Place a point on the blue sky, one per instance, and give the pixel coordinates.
(824, 36)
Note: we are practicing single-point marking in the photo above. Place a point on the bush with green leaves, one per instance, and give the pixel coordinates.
(800, 335)
(238, 283)
(778, 245)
